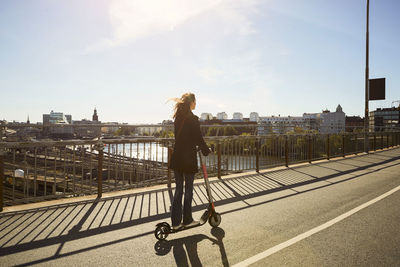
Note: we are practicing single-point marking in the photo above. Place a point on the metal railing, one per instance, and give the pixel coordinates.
(35, 171)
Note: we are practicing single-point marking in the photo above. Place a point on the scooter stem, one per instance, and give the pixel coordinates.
(205, 175)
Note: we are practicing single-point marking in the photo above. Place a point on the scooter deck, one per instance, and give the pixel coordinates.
(183, 227)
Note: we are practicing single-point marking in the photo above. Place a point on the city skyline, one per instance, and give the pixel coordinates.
(232, 117)
(127, 58)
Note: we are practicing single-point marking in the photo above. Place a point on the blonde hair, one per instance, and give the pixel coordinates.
(182, 105)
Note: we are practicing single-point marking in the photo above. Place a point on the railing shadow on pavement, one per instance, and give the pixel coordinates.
(189, 243)
(56, 225)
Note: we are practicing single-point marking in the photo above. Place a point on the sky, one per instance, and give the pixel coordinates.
(127, 58)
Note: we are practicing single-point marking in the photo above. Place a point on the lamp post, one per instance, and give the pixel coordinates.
(366, 117)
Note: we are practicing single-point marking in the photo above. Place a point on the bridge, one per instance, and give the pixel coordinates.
(336, 211)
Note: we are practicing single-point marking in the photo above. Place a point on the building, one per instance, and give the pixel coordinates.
(326, 122)
(107, 129)
(149, 129)
(56, 118)
(254, 116)
(354, 123)
(237, 116)
(222, 116)
(206, 116)
(384, 119)
(278, 124)
(95, 118)
(87, 129)
(333, 122)
(57, 124)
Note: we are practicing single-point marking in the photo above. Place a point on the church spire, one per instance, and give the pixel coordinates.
(95, 117)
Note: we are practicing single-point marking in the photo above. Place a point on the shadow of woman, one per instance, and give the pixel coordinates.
(219, 233)
(178, 246)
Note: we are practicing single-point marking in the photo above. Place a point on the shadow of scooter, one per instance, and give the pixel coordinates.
(163, 247)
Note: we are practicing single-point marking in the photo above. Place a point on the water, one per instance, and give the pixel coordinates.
(159, 153)
(141, 151)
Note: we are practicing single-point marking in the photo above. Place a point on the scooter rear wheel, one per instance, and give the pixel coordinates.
(215, 219)
(161, 232)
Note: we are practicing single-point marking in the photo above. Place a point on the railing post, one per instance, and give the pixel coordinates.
(356, 144)
(257, 155)
(1, 179)
(100, 148)
(343, 142)
(286, 151)
(309, 149)
(327, 147)
(219, 159)
(169, 162)
(398, 138)
(387, 140)
(391, 143)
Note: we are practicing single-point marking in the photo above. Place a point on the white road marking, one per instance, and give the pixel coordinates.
(317, 229)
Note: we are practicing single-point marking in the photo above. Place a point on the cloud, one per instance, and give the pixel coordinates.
(132, 20)
(244, 83)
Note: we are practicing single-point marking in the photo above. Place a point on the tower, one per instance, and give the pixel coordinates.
(95, 117)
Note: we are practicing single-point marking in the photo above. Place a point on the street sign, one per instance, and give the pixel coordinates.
(377, 89)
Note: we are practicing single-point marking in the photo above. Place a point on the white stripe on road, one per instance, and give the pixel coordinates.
(317, 229)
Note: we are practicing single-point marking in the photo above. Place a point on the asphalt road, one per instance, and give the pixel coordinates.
(258, 213)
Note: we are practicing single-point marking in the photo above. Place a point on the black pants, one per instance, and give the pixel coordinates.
(176, 214)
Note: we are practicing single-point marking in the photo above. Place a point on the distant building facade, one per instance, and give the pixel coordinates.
(279, 125)
(56, 118)
(326, 122)
(254, 116)
(206, 116)
(222, 116)
(58, 124)
(383, 119)
(237, 116)
(86, 128)
(354, 123)
(149, 130)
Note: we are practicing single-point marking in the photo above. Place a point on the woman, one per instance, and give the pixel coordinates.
(184, 157)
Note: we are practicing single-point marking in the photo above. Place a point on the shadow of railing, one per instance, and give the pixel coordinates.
(56, 225)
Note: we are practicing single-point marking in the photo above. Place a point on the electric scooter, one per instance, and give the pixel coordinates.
(214, 219)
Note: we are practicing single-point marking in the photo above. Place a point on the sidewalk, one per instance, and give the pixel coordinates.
(38, 225)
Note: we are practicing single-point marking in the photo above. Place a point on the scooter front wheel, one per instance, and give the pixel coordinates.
(215, 219)
(161, 232)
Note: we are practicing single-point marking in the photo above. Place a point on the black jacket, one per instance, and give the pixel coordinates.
(187, 137)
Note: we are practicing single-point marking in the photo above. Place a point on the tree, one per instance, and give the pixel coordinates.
(229, 130)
